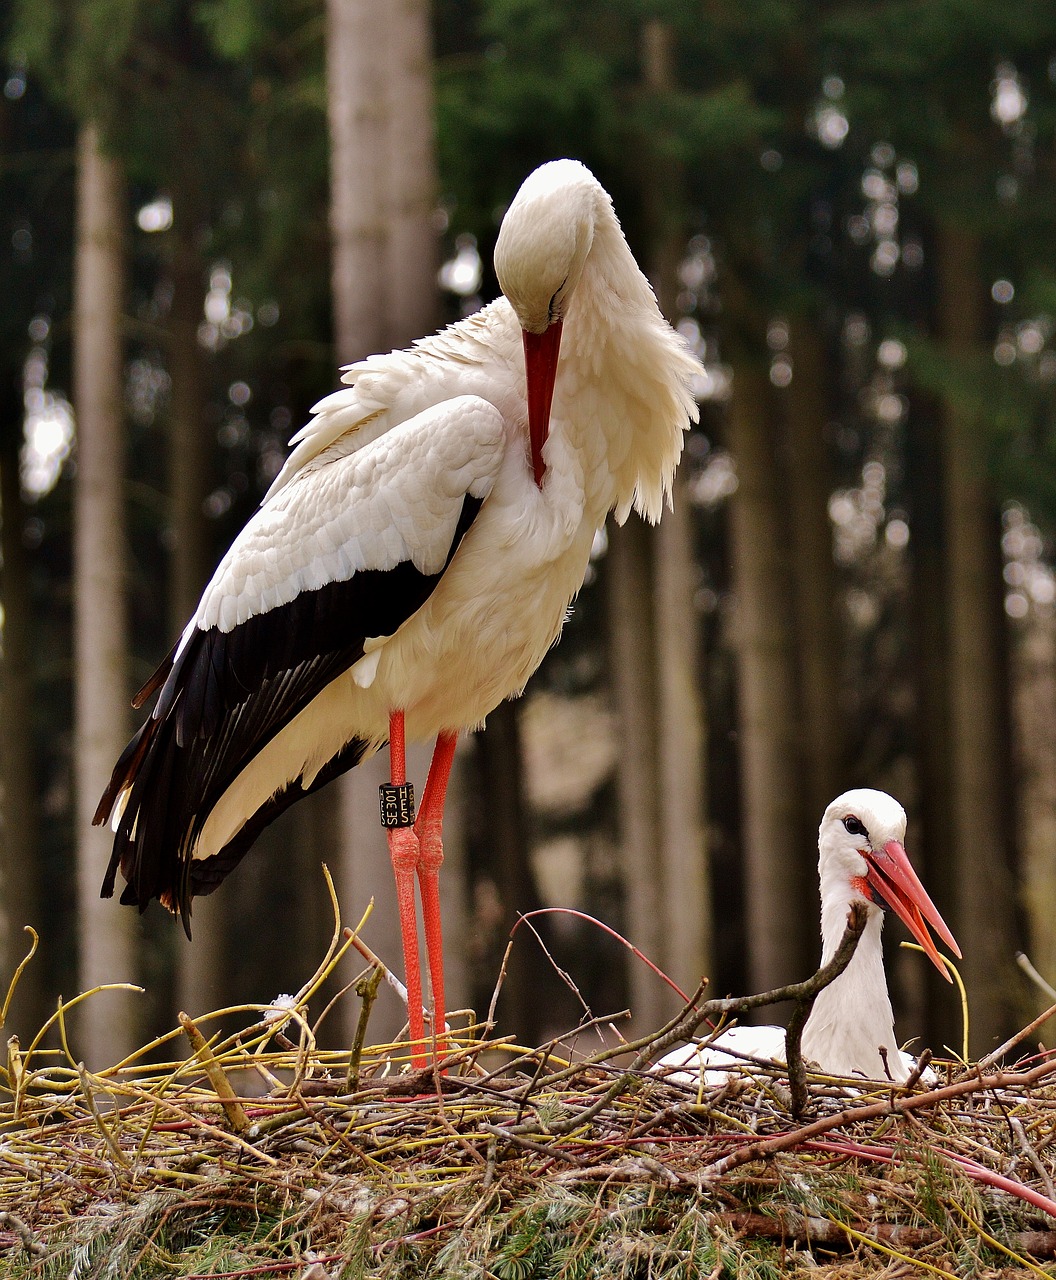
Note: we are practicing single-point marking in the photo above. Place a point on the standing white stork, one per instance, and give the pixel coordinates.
(850, 1031)
(412, 562)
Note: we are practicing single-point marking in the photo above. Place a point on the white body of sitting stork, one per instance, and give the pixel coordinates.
(851, 1029)
(412, 562)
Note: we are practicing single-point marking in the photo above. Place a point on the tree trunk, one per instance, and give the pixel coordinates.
(634, 674)
(501, 773)
(817, 640)
(356, 73)
(656, 655)
(983, 815)
(107, 931)
(779, 857)
(200, 964)
(1035, 724)
(928, 648)
(19, 782)
(382, 175)
(680, 762)
(412, 255)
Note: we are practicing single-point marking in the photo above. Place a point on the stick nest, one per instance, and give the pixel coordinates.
(260, 1153)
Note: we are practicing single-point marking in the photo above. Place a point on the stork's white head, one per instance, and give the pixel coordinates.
(861, 857)
(543, 245)
(545, 239)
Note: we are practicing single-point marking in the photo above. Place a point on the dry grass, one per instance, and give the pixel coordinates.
(254, 1155)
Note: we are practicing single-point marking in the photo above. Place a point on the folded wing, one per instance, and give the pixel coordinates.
(347, 550)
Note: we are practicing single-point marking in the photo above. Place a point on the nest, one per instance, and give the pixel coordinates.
(259, 1153)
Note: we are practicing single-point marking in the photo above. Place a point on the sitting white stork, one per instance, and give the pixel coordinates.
(412, 562)
(851, 1029)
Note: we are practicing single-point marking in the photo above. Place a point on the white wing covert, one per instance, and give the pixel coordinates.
(397, 498)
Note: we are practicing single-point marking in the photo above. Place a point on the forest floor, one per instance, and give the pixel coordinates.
(261, 1154)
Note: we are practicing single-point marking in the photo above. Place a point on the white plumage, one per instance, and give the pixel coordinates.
(850, 1030)
(416, 555)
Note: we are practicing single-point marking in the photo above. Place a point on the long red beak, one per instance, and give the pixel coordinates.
(540, 370)
(892, 875)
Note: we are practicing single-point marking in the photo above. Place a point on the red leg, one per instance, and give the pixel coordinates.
(405, 854)
(429, 830)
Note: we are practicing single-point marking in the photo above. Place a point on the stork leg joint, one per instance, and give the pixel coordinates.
(403, 850)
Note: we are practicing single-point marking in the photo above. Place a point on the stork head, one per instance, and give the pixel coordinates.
(862, 858)
(542, 248)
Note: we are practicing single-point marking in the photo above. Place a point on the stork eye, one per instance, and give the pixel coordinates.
(854, 826)
(553, 310)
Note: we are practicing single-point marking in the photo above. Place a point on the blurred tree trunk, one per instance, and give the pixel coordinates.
(107, 931)
(500, 764)
(687, 951)
(779, 858)
(679, 708)
(200, 964)
(356, 71)
(817, 639)
(382, 176)
(412, 244)
(190, 447)
(1034, 667)
(653, 636)
(632, 643)
(983, 814)
(928, 645)
(19, 781)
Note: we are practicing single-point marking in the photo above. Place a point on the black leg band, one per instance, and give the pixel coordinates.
(397, 805)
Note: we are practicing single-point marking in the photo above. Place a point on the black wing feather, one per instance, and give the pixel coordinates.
(221, 700)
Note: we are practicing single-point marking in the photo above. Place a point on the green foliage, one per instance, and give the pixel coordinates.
(237, 28)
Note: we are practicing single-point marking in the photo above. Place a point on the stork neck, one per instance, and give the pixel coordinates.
(626, 374)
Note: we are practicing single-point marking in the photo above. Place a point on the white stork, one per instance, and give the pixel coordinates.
(850, 1031)
(412, 562)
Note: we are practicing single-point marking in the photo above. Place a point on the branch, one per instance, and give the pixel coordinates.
(810, 1230)
(852, 1115)
(687, 1022)
(803, 993)
(797, 1072)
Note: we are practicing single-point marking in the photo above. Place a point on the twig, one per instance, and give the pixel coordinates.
(583, 915)
(797, 1072)
(367, 990)
(540, 1148)
(378, 963)
(387, 973)
(994, 1243)
(810, 1230)
(921, 1065)
(29, 1241)
(1018, 1038)
(93, 1107)
(265, 1268)
(489, 1021)
(1016, 1126)
(34, 942)
(127, 1087)
(233, 1109)
(810, 987)
(1023, 960)
(563, 974)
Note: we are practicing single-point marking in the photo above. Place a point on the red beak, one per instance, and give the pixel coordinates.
(891, 874)
(540, 371)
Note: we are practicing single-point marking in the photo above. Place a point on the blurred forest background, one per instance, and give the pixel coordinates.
(207, 206)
